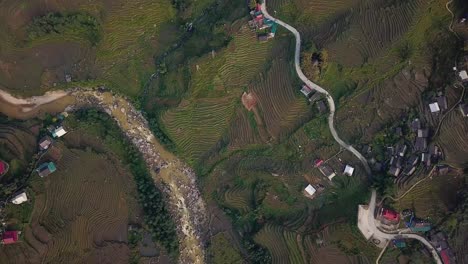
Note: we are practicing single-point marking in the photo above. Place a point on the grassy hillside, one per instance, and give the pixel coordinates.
(93, 42)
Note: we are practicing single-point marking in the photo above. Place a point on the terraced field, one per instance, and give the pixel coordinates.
(214, 93)
(282, 245)
(17, 142)
(81, 213)
(122, 59)
(433, 198)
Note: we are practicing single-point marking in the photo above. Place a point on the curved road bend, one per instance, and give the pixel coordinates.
(331, 103)
(350, 148)
(378, 233)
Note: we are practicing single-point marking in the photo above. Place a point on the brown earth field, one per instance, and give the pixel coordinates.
(122, 57)
(82, 211)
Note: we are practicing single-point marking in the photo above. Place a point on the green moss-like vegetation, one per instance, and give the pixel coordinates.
(73, 25)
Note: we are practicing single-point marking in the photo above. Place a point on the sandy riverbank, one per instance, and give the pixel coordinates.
(20, 108)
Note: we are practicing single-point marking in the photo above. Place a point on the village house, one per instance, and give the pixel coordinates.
(315, 97)
(434, 107)
(394, 171)
(46, 168)
(306, 90)
(399, 243)
(327, 171)
(310, 190)
(415, 125)
(321, 107)
(420, 144)
(426, 159)
(59, 132)
(10, 237)
(423, 133)
(348, 170)
(3, 167)
(401, 149)
(463, 76)
(442, 102)
(45, 142)
(262, 38)
(20, 198)
(389, 216)
(464, 109)
(420, 226)
(398, 132)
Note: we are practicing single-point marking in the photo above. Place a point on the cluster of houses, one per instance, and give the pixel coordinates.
(265, 28)
(463, 75)
(312, 190)
(314, 98)
(390, 220)
(45, 144)
(439, 241)
(404, 160)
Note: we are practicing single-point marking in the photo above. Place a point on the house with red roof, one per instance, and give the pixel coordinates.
(3, 167)
(10, 237)
(390, 215)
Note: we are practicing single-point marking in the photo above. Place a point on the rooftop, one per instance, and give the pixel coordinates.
(348, 170)
(310, 190)
(20, 198)
(434, 107)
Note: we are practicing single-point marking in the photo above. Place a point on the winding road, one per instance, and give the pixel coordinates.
(331, 102)
(380, 234)
(377, 233)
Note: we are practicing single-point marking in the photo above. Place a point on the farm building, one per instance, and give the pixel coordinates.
(45, 142)
(390, 215)
(327, 171)
(46, 168)
(3, 167)
(306, 90)
(20, 198)
(59, 132)
(434, 107)
(348, 170)
(464, 109)
(10, 237)
(310, 190)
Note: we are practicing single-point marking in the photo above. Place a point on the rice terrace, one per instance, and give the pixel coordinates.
(234, 131)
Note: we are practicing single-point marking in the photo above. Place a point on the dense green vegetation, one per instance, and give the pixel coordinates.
(157, 216)
(65, 24)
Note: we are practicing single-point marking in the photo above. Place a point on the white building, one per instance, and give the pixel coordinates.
(20, 198)
(58, 132)
(348, 170)
(463, 75)
(310, 190)
(434, 107)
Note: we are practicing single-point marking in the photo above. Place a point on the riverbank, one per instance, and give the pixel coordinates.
(174, 177)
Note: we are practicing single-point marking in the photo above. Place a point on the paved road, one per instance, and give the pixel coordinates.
(377, 232)
(380, 234)
(331, 103)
